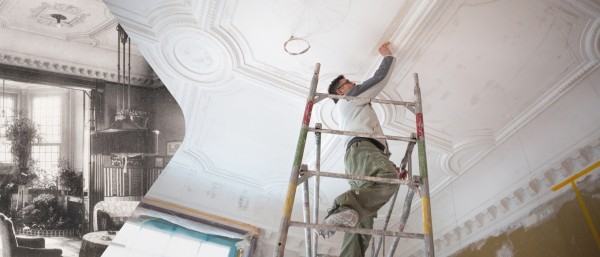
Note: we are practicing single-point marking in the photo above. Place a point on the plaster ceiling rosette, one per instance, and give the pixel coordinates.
(196, 55)
(72, 15)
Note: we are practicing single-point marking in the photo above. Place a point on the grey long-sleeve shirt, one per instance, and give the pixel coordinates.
(358, 115)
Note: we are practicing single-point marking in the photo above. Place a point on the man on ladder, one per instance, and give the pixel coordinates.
(358, 206)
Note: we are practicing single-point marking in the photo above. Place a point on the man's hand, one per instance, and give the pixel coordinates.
(402, 174)
(384, 50)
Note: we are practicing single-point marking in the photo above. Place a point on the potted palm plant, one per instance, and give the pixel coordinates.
(22, 132)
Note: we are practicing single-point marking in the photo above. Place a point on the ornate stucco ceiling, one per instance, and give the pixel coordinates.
(85, 44)
(510, 91)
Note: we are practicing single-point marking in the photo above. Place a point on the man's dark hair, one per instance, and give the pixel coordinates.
(333, 87)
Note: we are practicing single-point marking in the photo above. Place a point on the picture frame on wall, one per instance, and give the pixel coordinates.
(159, 162)
(172, 147)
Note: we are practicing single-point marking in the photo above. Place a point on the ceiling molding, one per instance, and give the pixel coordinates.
(208, 12)
(421, 21)
(90, 36)
(46, 64)
(511, 207)
(479, 146)
(592, 59)
(132, 22)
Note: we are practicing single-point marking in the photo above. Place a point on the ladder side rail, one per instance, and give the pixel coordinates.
(403, 219)
(356, 177)
(364, 231)
(291, 190)
(424, 189)
(306, 217)
(385, 224)
(317, 180)
(408, 105)
(404, 164)
(406, 160)
(361, 134)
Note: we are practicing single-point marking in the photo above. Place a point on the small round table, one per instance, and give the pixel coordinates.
(95, 243)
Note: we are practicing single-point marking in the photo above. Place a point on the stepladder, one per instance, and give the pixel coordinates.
(301, 175)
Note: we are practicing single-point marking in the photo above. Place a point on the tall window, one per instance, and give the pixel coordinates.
(7, 112)
(46, 113)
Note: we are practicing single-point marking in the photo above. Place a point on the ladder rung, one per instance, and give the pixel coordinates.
(356, 177)
(320, 96)
(358, 230)
(361, 134)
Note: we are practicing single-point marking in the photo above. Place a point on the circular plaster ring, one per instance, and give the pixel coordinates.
(196, 55)
(294, 44)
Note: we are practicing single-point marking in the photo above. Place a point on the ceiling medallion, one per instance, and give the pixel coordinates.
(46, 14)
(197, 56)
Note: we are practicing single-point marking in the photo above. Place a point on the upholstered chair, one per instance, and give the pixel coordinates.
(13, 246)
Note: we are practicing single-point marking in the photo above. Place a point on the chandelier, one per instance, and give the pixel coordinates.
(124, 137)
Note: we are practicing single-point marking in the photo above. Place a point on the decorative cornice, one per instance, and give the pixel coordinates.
(109, 24)
(591, 54)
(487, 144)
(418, 22)
(39, 63)
(513, 206)
(211, 13)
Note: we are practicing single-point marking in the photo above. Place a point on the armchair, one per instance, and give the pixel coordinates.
(13, 246)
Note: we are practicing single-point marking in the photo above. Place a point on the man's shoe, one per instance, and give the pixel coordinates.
(346, 217)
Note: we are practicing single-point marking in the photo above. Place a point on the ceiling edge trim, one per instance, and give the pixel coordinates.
(46, 64)
(592, 57)
(518, 201)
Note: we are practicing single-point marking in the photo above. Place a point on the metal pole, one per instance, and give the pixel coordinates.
(424, 189)
(364, 231)
(406, 160)
(306, 212)
(361, 134)
(385, 224)
(403, 219)
(403, 165)
(586, 213)
(408, 105)
(119, 66)
(357, 177)
(317, 188)
(291, 191)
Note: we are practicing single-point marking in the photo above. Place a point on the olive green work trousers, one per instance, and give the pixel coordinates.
(365, 159)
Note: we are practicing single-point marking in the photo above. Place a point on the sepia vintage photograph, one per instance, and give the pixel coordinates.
(84, 123)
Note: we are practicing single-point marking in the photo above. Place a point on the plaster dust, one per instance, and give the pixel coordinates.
(560, 229)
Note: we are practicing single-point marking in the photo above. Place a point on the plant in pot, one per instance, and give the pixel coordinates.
(22, 132)
(70, 180)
